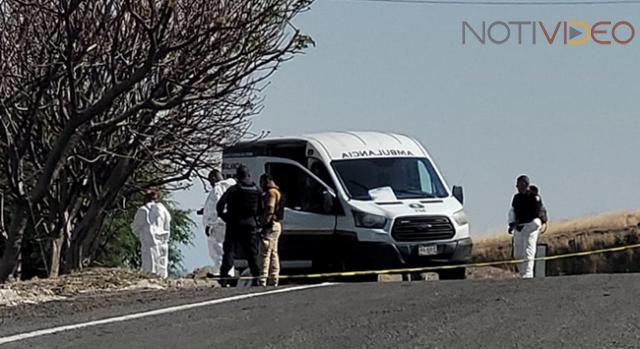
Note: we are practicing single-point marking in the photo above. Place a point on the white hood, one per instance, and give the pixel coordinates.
(408, 207)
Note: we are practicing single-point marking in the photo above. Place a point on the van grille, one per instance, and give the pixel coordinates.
(422, 228)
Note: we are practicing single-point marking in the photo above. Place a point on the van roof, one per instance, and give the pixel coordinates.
(360, 138)
(348, 145)
(353, 144)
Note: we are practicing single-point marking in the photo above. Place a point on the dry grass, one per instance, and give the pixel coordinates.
(490, 273)
(582, 234)
(89, 281)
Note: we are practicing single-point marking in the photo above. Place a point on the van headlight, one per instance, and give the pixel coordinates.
(460, 217)
(367, 220)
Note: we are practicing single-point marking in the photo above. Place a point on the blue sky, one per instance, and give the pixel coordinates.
(566, 115)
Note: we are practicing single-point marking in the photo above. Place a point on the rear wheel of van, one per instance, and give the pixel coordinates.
(453, 274)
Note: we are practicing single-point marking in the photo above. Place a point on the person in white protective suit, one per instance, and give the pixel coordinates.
(525, 223)
(214, 227)
(152, 224)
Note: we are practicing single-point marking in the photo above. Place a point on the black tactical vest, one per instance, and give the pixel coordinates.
(243, 201)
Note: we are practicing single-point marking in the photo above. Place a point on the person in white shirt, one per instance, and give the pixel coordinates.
(152, 224)
(214, 227)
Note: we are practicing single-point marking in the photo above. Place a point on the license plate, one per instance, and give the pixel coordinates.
(428, 250)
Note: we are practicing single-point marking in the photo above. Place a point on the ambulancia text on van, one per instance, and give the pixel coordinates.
(360, 201)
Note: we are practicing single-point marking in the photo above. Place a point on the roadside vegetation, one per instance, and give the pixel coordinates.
(103, 99)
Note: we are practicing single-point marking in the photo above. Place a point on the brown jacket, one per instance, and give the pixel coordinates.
(270, 199)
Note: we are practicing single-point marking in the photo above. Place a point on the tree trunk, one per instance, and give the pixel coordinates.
(56, 254)
(69, 263)
(87, 230)
(19, 220)
(17, 271)
(91, 243)
(69, 217)
(82, 250)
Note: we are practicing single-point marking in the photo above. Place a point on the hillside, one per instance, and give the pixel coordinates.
(581, 234)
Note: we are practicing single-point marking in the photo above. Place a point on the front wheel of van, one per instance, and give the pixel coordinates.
(453, 274)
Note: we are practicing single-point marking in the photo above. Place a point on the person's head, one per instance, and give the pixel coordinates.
(215, 176)
(150, 196)
(534, 189)
(266, 181)
(242, 173)
(522, 183)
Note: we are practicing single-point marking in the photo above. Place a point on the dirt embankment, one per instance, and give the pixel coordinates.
(576, 235)
(90, 281)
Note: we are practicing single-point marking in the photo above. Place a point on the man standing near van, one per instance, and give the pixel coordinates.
(271, 229)
(524, 224)
(238, 208)
(214, 227)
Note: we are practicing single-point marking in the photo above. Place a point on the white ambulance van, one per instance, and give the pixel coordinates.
(360, 201)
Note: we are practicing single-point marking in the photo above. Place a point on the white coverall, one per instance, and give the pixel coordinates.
(152, 224)
(214, 223)
(525, 243)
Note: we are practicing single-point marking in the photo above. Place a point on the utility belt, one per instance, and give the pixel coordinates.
(233, 221)
(519, 226)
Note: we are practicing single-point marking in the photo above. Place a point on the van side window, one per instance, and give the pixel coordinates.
(301, 191)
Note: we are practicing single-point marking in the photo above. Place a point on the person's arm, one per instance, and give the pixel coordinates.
(222, 204)
(270, 200)
(167, 219)
(538, 206)
(511, 219)
(140, 222)
(544, 218)
(209, 211)
(543, 214)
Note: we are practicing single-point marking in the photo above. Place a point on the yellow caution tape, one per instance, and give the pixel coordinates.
(441, 267)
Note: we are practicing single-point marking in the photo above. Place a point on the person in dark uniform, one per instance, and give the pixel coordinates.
(238, 208)
(524, 224)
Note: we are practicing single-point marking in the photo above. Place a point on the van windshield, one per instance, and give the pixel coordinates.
(410, 178)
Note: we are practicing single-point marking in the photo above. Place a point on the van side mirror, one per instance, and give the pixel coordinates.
(458, 193)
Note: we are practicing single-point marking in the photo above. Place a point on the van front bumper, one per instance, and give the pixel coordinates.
(343, 251)
(376, 255)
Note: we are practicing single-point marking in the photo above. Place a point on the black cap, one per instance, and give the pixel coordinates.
(525, 179)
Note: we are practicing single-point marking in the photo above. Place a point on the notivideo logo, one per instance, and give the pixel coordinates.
(571, 33)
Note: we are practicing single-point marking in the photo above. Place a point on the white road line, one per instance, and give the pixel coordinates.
(54, 330)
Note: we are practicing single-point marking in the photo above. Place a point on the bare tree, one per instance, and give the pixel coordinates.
(93, 90)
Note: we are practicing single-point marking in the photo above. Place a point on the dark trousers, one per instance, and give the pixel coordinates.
(241, 235)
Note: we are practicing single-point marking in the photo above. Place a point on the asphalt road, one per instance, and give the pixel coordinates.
(596, 311)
